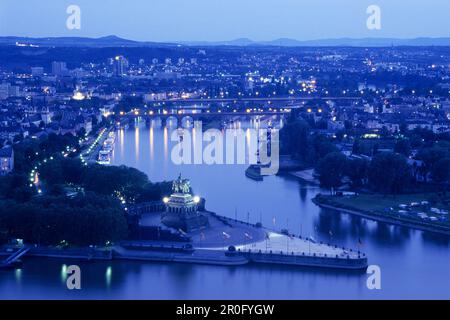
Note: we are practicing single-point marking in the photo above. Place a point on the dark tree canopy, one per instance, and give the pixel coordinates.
(389, 173)
(84, 220)
(440, 172)
(331, 170)
(357, 170)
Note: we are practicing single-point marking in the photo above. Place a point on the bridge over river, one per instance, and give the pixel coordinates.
(249, 99)
(181, 115)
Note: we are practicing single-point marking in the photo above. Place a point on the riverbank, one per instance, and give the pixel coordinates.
(319, 255)
(287, 165)
(79, 253)
(227, 242)
(305, 176)
(403, 210)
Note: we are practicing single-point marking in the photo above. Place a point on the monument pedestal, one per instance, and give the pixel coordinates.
(181, 208)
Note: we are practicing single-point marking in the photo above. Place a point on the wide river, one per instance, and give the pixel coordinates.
(414, 264)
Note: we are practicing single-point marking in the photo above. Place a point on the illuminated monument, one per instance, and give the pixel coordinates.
(182, 208)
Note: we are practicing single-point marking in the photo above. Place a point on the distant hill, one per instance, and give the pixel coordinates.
(114, 41)
(108, 41)
(343, 42)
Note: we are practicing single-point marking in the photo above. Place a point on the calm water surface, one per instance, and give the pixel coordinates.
(414, 264)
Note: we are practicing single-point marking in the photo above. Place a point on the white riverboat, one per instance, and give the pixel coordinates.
(104, 157)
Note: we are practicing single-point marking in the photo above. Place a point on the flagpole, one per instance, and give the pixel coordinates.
(309, 245)
(287, 229)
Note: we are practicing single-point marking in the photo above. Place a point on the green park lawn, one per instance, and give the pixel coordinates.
(382, 204)
(378, 202)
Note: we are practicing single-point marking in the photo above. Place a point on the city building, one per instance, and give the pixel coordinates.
(7, 90)
(59, 68)
(37, 71)
(6, 160)
(120, 66)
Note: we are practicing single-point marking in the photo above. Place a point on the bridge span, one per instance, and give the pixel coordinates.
(249, 99)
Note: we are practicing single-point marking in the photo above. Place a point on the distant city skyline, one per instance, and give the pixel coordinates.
(205, 20)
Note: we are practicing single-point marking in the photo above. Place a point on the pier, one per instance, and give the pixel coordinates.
(14, 257)
(229, 241)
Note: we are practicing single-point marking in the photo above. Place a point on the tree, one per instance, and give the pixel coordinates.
(375, 148)
(356, 148)
(426, 135)
(62, 171)
(81, 133)
(430, 156)
(17, 138)
(389, 173)
(331, 170)
(154, 191)
(356, 170)
(83, 220)
(15, 186)
(440, 172)
(294, 137)
(128, 182)
(403, 146)
(320, 146)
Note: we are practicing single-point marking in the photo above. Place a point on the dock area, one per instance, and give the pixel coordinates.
(232, 242)
(224, 241)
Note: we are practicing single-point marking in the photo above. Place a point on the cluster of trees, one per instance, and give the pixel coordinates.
(93, 216)
(30, 151)
(436, 162)
(389, 172)
(386, 173)
(86, 219)
(15, 186)
(132, 184)
(297, 140)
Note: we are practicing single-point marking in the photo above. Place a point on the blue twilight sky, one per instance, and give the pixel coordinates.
(210, 20)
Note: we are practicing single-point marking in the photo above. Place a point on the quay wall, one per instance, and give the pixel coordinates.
(70, 253)
(211, 257)
(180, 258)
(307, 260)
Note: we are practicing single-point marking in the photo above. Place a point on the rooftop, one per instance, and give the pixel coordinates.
(6, 152)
